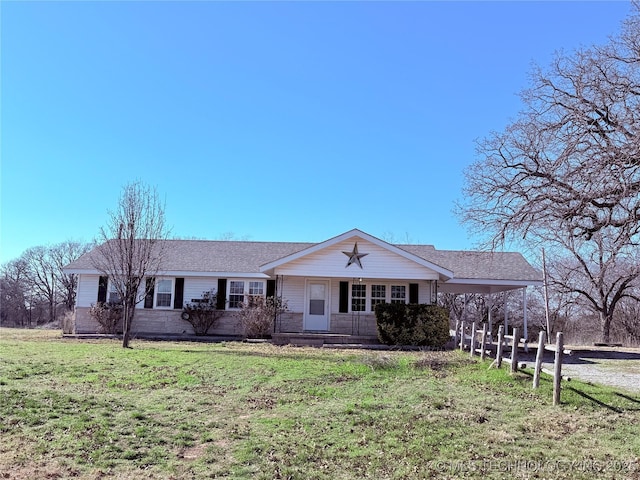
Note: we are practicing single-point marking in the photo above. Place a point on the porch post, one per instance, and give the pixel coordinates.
(490, 315)
(524, 313)
(506, 313)
(464, 308)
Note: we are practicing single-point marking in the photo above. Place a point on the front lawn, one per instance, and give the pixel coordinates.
(90, 409)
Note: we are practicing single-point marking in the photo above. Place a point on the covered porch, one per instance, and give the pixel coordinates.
(489, 288)
(333, 287)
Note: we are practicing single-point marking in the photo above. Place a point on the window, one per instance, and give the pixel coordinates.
(358, 297)
(364, 298)
(164, 290)
(114, 296)
(236, 293)
(398, 294)
(240, 290)
(256, 288)
(378, 295)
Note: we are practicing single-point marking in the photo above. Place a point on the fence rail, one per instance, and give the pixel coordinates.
(478, 343)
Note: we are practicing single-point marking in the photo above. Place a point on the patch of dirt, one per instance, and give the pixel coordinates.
(193, 453)
(31, 471)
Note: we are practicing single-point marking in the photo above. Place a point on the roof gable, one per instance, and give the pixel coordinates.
(335, 249)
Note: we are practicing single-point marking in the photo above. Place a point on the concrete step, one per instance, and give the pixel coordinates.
(320, 339)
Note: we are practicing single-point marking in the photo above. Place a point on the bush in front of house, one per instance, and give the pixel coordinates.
(257, 315)
(108, 316)
(413, 324)
(202, 313)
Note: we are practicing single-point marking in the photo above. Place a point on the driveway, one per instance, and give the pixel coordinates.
(615, 367)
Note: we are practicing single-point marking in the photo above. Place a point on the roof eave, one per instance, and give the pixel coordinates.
(496, 282)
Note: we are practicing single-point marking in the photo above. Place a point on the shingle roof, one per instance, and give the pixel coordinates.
(212, 256)
(243, 256)
(478, 265)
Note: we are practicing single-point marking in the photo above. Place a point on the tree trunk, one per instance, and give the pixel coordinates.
(128, 313)
(605, 321)
(52, 310)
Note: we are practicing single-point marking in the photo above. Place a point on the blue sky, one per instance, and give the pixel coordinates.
(274, 121)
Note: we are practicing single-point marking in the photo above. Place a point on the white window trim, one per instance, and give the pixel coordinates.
(370, 298)
(406, 292)
(156, 291)
(367, 297)
(245, 287)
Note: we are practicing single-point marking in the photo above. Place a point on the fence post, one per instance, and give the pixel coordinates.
(472, 344)
(514, 351)
(538, 368)
(499, 346)
(483, 341)
(557, 368)
(462, 335)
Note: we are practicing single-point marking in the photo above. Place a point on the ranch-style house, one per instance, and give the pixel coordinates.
(330, 287)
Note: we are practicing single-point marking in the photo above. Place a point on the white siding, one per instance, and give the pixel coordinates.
(378, 263)
(87, 290)
(424, 292)
(292, 290)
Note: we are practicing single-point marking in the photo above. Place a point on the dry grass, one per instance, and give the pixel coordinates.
(169, 410)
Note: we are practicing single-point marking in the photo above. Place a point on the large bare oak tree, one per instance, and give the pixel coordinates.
(566, 173)
(132, 247)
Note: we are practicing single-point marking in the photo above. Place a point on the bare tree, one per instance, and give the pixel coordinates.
(454, 303)
(14, 291)
(36, 284)
(566, 173)
(629, 318)
(42, 277)
(132, 247)
(599, 274)
(572, 158)
(67, 283)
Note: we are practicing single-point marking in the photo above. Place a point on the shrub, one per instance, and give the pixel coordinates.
(203, 313)
(108, 316)
(420, 325)
(257, 315)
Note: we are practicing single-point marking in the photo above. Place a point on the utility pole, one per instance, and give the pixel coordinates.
(546, 294)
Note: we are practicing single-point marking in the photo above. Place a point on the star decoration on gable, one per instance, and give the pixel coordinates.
(354, 256)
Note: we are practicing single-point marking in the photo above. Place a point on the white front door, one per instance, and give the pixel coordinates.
(316, 314)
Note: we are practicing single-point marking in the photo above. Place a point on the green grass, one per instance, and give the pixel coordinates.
(90, 409)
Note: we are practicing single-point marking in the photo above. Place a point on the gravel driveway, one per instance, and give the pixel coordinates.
(616, 367)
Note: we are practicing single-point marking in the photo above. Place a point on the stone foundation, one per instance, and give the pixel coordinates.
(159, 322)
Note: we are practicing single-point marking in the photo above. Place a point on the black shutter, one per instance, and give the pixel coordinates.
(102, 289)
(221, 294)
(343, 303)
(271, 288)
(413, 293)
(150, 287)
(179, 297)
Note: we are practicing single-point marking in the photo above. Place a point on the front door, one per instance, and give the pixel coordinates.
(316, 315)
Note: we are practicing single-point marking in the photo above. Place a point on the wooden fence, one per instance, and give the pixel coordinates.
(478, 344)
